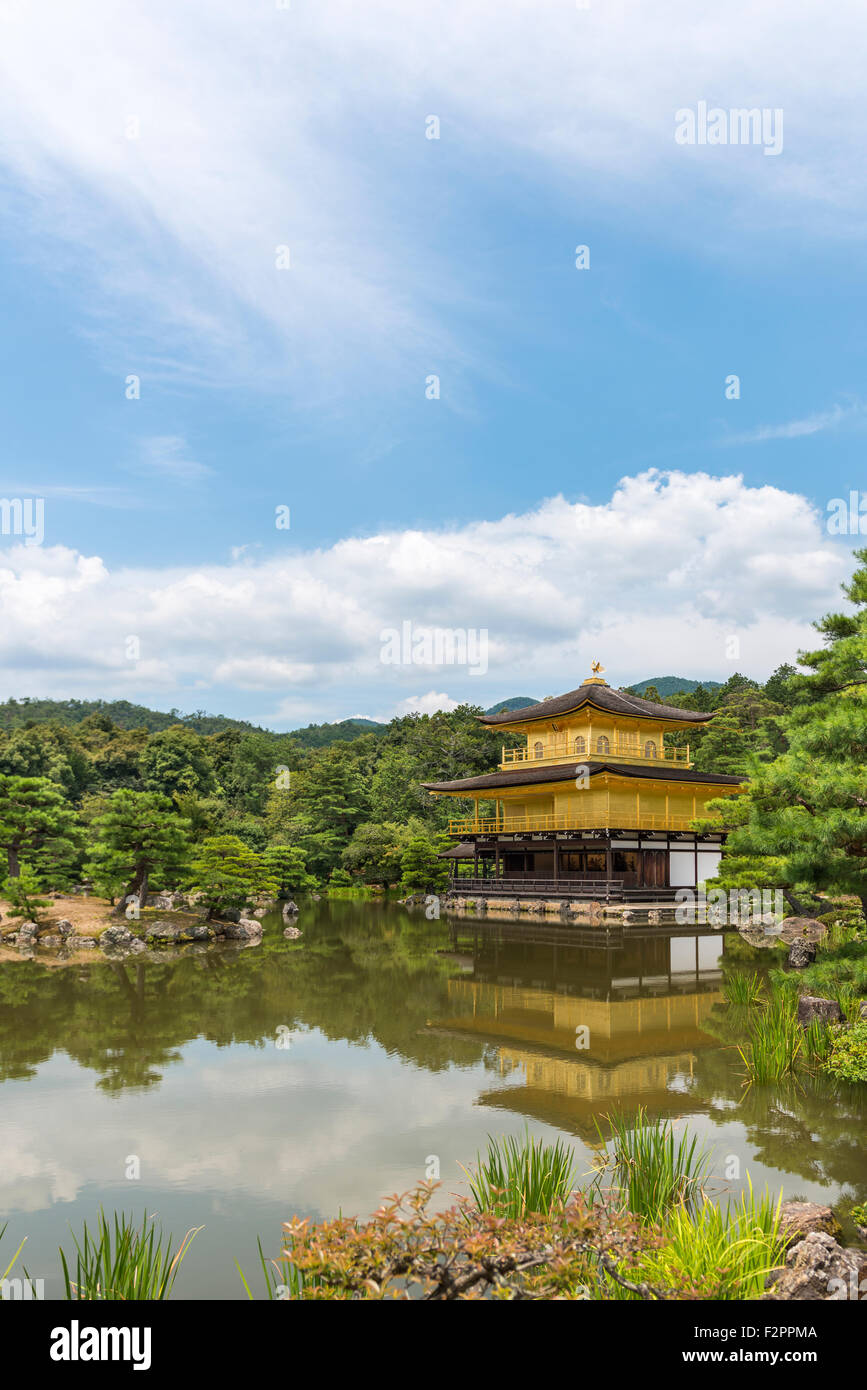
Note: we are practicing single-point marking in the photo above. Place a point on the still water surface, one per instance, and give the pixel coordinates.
(317, 1076)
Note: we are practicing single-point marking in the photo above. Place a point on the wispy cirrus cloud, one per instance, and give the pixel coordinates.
(186, 143)
(817, 423)
(168, 456)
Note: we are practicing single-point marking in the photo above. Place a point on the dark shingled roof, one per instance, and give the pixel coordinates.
(531, 776)
(602, 697)
(465, 850)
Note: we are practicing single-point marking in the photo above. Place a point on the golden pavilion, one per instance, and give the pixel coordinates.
(593, 804)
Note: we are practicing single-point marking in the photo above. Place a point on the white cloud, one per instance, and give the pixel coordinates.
(259, 127)
(657, 579)
(421, 704)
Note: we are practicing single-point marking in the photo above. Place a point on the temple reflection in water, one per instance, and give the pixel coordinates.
(587, 1020)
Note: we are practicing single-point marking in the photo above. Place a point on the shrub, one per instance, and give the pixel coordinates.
(407, 1252)
(848, 1059)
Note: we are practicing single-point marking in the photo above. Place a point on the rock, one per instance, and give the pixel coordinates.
(248, 929)
(80, 943)
(163, 931)
(800, 1219)
(862, 1009)
(811, 1007)
(803, 928)
(801, 954)
(115, 936)
(174, 932)
(64, 926)
(757, 936)
(290, 909)
(28, 929)
(817, 1268)
(259, 911)
(52, 941)
(291, 933)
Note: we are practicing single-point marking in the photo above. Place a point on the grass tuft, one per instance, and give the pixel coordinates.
(121, 1262)
(518, 1176)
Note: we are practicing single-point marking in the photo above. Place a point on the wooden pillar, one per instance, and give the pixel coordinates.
(496, 859)
(556, 859)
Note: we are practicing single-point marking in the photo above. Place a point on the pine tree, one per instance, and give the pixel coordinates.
(422, 870)
(37, 822)
(228, 874)
(808, 808)
(287, 866)
(22, 894)
(137, 836)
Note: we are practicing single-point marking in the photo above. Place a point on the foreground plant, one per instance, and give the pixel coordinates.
(407, 1252)
(6, 1272)
(775, 1041)
(519, 1176)
(121, 1262)
(652, 1170)
(721, 1253)
(847, 1059)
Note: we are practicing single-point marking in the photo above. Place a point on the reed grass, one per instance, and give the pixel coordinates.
(517, 1176)
(712, 1252)
(282, 1279)
(653, 1170)
(120, 1262)
(11, 1264)
(742, 989)
(775, 1041)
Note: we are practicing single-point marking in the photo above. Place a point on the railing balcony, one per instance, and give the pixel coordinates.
(620, 750)
(569, 820)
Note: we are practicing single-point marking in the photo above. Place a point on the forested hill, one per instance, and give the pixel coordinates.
(18, 714)
(666, 686)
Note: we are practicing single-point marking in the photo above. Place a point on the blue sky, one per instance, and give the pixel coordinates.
(146, 191)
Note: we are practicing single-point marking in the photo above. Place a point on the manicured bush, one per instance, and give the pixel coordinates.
(848, 1059)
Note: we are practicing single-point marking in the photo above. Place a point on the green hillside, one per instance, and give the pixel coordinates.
(18, 714)
(323, 735)
(514, 702)
(670, 685)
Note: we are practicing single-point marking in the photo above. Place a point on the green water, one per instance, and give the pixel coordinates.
(310, 1077)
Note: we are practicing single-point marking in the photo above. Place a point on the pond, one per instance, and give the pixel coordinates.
(233, 1088)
